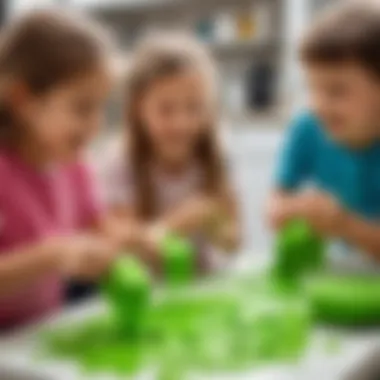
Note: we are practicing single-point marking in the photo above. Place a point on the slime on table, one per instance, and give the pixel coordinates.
(231, 325)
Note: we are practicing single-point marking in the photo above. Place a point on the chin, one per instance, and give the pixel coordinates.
(68, 157)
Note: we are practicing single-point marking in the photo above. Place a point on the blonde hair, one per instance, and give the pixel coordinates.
(155, 58)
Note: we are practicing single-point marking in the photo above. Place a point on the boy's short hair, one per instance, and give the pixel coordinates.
(348, 33)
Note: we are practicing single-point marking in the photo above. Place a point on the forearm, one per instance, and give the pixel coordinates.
(363, 234)
(19, 268)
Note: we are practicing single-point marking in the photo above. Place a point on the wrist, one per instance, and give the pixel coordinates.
(50, 255)
(345, 225)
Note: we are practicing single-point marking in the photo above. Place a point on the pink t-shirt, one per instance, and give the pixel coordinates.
(35, 205)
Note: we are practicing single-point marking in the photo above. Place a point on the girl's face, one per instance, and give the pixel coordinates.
(174, 112)
(63, 120)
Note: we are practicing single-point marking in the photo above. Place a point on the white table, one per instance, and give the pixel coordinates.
(17, 353)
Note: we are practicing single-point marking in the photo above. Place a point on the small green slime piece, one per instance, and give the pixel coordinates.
(298, 251)
(178, 259)
(127, 289)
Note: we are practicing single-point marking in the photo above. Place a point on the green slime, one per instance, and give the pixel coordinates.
(230, 325)
(298, 251)
(193, 330)
(178, 259)
(345, 301)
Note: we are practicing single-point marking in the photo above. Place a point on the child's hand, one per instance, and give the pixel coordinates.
(322, 211)
(279, 210)
(192, 215)
(83, 256)
(201, 210)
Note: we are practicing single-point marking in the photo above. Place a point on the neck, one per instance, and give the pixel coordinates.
(32, 154)
(365, 141)
(172, 167)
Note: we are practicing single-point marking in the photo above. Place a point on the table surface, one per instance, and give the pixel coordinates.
(18, 362)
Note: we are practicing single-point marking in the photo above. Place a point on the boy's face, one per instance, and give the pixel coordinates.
(346, 98)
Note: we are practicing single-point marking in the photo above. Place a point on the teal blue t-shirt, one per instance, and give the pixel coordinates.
(309, 156)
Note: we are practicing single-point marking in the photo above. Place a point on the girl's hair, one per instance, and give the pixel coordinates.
(156, 58)
(43, 49)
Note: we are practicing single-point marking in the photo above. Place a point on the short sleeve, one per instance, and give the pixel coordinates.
(115, 179)
(295, 162)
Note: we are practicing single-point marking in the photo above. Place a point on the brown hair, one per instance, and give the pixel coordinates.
(43, 49)
(348, 33)
(155, 58)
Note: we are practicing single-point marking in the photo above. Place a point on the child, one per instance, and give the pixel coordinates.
(335, 146)
(170, 175)
(54, 79)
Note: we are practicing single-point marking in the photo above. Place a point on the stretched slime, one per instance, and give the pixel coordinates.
(298, 251)
(178, 258)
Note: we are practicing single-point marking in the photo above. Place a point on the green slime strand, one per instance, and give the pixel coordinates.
(127, 289)
(178, 258)
(298, 251)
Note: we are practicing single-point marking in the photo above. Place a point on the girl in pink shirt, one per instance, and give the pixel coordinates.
(168, 173)
(53, 83)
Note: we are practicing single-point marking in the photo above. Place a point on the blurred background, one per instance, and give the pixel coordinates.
(254, 43)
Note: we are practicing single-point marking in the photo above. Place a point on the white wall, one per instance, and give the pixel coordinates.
(297, 14)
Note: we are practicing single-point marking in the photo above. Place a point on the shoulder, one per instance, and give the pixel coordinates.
(306, 124)
(113, 160)
(6, 170)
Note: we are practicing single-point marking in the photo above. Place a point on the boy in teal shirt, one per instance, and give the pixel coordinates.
(334, 147)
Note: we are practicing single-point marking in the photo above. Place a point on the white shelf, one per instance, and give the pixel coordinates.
(142, 6)
(125, 6)
(243, 47)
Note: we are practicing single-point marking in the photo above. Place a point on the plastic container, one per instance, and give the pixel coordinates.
(345, 300)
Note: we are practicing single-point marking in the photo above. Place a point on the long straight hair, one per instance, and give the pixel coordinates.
(156, 58)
